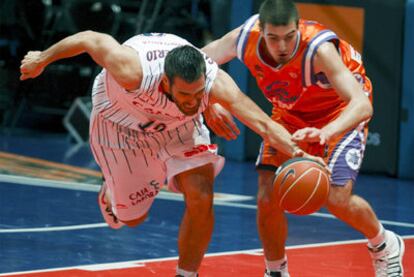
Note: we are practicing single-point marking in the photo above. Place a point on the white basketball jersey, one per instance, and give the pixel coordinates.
(146, 110)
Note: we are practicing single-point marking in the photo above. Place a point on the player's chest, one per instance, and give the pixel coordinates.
(157, 106)
(282, 87)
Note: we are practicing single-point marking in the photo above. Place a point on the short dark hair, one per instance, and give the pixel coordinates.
(185, 62)
(278, 13)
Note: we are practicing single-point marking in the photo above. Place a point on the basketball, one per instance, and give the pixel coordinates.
(302, 186)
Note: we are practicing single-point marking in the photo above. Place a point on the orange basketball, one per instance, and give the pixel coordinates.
(302, 186)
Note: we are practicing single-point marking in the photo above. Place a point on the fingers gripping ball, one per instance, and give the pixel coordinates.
(302, 186)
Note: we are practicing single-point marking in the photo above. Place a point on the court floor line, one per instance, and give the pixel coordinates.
(22, 180)
(54, 228)
(38, 182)
(135, 263)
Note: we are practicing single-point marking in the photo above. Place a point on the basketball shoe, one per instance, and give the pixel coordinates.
(106, 210)
(283, 272)
(387, 257)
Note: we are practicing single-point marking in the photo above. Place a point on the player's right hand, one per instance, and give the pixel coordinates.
(31, 67)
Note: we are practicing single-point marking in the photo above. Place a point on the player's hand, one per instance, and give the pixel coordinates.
(311, 134)
(30, 65)
(221, 122)
(300, 153)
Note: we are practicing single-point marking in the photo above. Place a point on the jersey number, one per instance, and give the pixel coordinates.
(150, 127)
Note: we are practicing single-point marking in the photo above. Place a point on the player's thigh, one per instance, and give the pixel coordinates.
(345, 156)
(133, 180)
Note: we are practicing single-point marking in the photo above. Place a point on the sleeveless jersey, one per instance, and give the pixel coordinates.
(300, 96)
(146, 111)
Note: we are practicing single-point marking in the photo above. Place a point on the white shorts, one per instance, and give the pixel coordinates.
(135, 176)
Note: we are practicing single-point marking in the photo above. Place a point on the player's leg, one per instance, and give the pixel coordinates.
(105, 205)
(128, 190)
(271, 220)
(192, 165)
(353, 209)
(272, 225)
(197, 223)
(344, 161)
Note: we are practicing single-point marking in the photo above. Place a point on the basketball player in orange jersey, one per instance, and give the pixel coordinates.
(146, 127)
(321, 94)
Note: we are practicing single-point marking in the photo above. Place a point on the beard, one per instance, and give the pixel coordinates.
(186, 111)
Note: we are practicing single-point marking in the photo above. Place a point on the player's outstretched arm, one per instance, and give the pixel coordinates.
(122, 62)
(224, 49)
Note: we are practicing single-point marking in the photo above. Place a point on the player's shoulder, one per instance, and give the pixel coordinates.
(162, 39)
(310, 29)
(251, 24)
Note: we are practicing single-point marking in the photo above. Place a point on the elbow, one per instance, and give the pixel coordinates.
(92, 38)
(88, 35)
(370, 111)
(87, 40)
(366, 110)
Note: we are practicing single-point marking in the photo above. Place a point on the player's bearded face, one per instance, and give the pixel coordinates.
(188, 96)
(280, 41)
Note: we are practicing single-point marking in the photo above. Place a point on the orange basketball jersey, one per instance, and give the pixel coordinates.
(300, 96)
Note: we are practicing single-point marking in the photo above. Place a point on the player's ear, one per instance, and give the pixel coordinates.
(261, 28)
(165, 83)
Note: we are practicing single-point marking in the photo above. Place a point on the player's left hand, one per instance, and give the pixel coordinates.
(311, 134)
(221, 122)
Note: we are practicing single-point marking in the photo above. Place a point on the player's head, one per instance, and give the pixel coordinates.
(279, 26)
(185, 71)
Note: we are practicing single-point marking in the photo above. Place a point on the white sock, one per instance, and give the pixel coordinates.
(378, 239)
(185, 273)
(275, 265)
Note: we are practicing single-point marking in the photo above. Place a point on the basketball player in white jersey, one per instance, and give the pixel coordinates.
(147, 130)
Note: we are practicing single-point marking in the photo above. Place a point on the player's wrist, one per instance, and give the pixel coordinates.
(328, 133)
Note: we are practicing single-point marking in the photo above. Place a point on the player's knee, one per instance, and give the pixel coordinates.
(266, 200)
(337, 204)
(339, 198)
(267, 206)
(135, 222)
(199, 203)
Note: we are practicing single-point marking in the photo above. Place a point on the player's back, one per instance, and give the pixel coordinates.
(147, 111)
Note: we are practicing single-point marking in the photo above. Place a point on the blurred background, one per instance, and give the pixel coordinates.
(58, 102)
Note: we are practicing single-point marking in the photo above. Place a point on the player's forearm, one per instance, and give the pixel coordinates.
(356, 112)
(258, 121)
(68, 47)
(281, 139)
